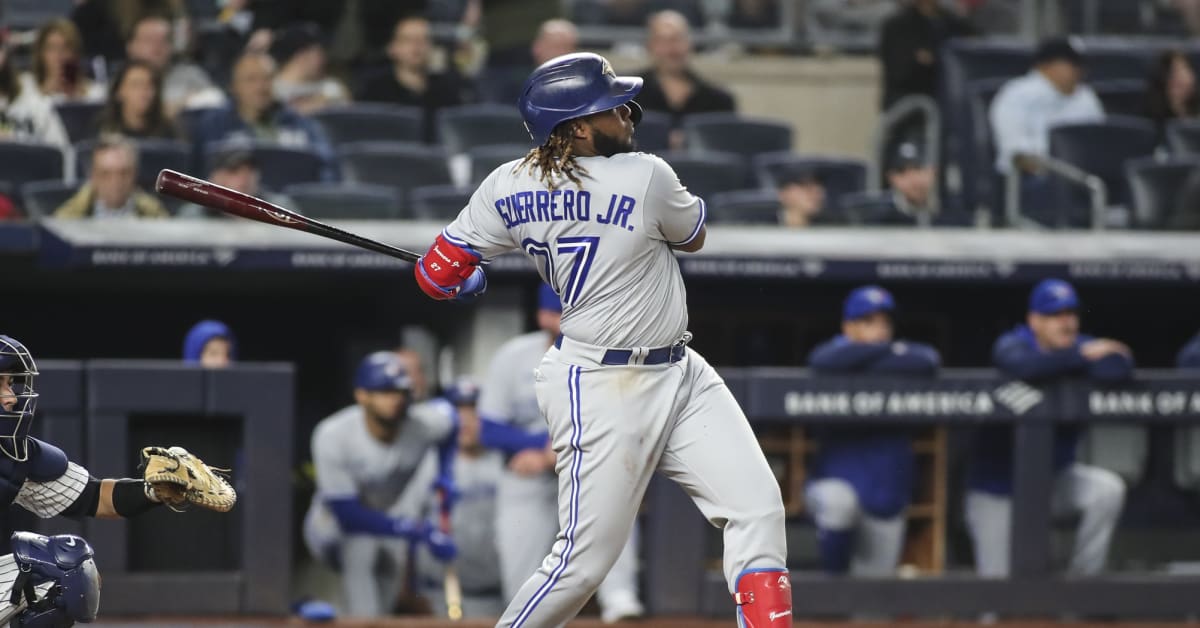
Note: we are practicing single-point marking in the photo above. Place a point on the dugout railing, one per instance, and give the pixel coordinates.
(680, 579)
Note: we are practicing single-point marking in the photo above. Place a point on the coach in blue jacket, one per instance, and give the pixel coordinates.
(862, 477)
(1048, 347)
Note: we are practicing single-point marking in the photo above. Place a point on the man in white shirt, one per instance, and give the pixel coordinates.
(1027, 107)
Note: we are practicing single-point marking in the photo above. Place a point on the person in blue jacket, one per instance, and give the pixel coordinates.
(862, 478)
(1048, 347)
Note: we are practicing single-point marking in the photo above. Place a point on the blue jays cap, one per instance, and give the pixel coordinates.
(382, 370)
(1052, 296)
(547, 299)
(867, 300)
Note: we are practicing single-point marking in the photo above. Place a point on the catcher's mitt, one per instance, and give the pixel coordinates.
(177, 478)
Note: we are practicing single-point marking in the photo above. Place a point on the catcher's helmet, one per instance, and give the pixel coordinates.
(18, 364)
(573, 86)
(382, 370)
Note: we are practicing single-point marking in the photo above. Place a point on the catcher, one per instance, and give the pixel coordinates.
(52, 581)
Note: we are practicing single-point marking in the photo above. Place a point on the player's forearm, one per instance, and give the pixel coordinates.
(508, 438)
(121, 499)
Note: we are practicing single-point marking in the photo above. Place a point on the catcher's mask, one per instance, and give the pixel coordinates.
(18, 364)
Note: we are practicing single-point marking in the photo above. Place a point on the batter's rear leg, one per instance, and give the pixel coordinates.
(713, 454)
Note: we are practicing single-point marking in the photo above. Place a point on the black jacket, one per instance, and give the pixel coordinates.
(903, 35)
(706, 98)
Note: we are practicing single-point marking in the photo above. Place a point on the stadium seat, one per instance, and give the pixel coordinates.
(1183, 137)
(1103, 62)
(365, 122)
(757, 207)
(485, 159)
(839, 175)
(733, 133)
(1155, 187)
(467, 126)
(1100, 148)
(653, 133)
(345, 201)
(438, 202)
(79, 119)
(1123, 97)
(978, 155)
(22, 162)
(279, 166)
(400, 165)
(153, 156)
(39, 199)
(28, 15)
(708, 173)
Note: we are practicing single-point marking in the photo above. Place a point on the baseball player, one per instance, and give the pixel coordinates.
(528, 493)
(52, 582)
(862, 477)
(473, 519)
(367, 507)
(1048, 347)
(622, 393)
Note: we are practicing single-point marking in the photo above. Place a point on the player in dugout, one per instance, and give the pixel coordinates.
(863, 475)
(1047, 347)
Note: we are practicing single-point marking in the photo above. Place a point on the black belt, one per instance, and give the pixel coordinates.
(621, 357)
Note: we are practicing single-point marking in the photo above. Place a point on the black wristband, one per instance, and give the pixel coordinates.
(129, 498)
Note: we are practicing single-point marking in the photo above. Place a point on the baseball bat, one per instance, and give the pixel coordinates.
(450, 584)
(209, 194)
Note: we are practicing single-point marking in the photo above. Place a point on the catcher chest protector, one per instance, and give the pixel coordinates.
(764, 598)
(573, 86)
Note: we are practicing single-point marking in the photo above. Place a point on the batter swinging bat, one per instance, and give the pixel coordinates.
(451, 585)
(209, 194)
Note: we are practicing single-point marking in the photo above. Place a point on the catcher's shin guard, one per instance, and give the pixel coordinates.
(764, 598)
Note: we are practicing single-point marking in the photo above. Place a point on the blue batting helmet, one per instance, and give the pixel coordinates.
(15, 420)
(382, 370)
(573, 86)
(463, 392)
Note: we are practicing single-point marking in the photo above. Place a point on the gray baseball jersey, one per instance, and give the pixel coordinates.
(472, 519)
(617, 417)
(507, 394)
(597, 246)
(350, 462)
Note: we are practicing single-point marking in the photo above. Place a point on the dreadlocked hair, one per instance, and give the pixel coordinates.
(555, 159)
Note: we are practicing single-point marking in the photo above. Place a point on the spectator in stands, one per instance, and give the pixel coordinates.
(210, 344)
(235, 169)
(670, 84)
(302, 83)
(135, 107)
(910, 200)
(57, 69)
(26, 115)
(863, 476)
(1026, 107)
(1047, 348)
(111, 190)
(1172, 91)
(106, 24)
(801, 199)
(409, 80)
(185, 85)
(254, 115)
(909, 45)
(503, 83)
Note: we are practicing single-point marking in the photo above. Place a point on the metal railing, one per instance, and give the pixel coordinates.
(898, 113)
(1095, 186)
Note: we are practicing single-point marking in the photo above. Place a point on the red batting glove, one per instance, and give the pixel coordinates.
(442, 270)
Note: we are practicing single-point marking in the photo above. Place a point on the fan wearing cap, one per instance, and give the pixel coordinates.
(369, 499)
(1026, 107)
(862, 478)
(237, 169)
(1046, 348)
